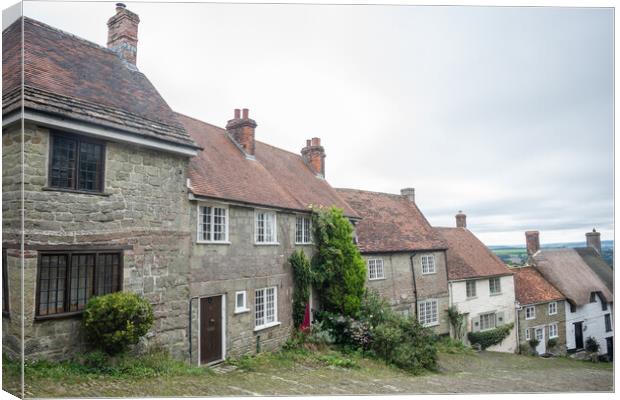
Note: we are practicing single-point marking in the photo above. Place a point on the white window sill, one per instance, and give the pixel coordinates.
(212, 242)
(471, 298)
(553, 337)
(553, 314)
(495, 294)
(269, 325)
(431, 324)
(266, 243)
(304, 244)
(376, 279)
(529, 319)
(429, 273)
(241, 310)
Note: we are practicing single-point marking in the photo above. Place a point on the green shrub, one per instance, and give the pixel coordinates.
(337, 361)
(533, 342)
(115, 321)
(339, 270)
(319, 335)
(302, 279)
(592, 345)
(446, 344)
(525, 349)
(490, 337)
(551, 343)
(456, 320)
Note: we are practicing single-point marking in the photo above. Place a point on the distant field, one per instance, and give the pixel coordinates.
(517, 255)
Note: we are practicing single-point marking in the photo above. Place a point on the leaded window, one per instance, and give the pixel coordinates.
(303, 233)
(76, 163)
(265, 227)
(265, 307)
(470, 287)
(487, 321)
(494, 286)
(428, 264)
(67, 280)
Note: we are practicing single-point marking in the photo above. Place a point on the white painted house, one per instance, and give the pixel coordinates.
(480, 285)
(586, 282)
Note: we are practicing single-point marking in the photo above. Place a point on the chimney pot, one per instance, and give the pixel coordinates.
(314, 155)
(242, 131)
(461, 220)
(123, 33)
(409, 193)
(532, 242)
(593, 240)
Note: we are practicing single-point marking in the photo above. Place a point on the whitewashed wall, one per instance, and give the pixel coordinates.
(593, 318)
(485, 303)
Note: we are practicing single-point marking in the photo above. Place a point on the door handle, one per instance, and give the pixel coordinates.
(212, 320)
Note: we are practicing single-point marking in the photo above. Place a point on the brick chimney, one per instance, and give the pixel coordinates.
(461, 220)
(409, 193)
(241, 129)
(314, 155)
(123, 33)
(532, 242)
(593, 239)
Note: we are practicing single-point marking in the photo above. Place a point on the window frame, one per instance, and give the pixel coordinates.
(54, 134)
(244, 308)
(471, 282)
(304, 239)
(376, 277)
(608, 324)
(213, 206)
(275, 227)
(480, 317)
(498, 287)
(555, 308)
(426, 322)
(527, 334)
(275, 321)
(429, 265)
(533, 312)
(67, 284)
(556, 334)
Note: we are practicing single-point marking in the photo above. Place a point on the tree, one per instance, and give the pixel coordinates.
(338, 267)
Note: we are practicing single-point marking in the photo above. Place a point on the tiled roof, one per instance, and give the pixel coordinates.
(468, 257)
(72, 77)
(568, 272)
(390, 223)
(276, 178)
(598, 265)
(531, 287)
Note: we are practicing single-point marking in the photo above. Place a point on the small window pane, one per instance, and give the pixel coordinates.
(63, 162)
(90, 166)
(471, 288)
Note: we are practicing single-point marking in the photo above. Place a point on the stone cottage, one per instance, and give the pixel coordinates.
(102, 161)
(540, 309)
(249, 210)
(405, 257)
(121, 193)
(586, 282)
(481, 286)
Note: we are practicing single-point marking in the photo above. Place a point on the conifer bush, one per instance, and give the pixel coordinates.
(115, 321)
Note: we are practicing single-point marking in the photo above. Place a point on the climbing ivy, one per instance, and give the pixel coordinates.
(338, 268)
(490, 337)
(302, 279)
(456, 320)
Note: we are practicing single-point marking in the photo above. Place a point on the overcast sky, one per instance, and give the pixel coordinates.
(504, 113)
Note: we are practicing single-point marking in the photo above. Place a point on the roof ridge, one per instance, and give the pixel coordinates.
(370, 191)
(69, 34)
(198, 120)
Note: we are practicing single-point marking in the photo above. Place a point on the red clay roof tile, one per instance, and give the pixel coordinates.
(468, 257)
(390, 223)
(531, 287)
(276, 177)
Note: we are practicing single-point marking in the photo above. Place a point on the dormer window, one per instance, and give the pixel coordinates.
(76, 163)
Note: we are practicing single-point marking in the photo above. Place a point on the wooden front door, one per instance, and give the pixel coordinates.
(210, 329)
(578, 335)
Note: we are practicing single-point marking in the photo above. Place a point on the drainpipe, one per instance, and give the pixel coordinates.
(415, 289)
(518, 332)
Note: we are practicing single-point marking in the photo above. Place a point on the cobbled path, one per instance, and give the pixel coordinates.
(484, 372)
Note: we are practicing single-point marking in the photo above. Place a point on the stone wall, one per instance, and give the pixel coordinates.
(398, 288)
(242, 265)
(144, 210)
(543, 320)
